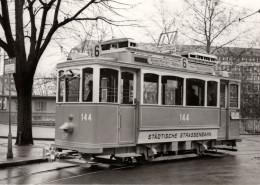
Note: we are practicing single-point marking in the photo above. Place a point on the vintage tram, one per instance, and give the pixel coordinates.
(130, 103)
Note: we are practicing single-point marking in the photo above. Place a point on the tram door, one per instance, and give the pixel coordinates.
(126, 124)
(223, 109)
(229, 110)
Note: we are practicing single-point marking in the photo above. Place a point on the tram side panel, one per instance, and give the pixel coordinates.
(181, 117)
(222, 128)
(106, 125)
(234, 128)
(93, 126)
(83, 124)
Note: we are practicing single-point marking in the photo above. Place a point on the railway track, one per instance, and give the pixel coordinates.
(28, 175)
(89, 173)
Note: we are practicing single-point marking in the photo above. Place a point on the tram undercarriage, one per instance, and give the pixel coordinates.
(142, 153)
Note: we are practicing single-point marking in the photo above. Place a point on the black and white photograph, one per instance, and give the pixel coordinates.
(130, 92)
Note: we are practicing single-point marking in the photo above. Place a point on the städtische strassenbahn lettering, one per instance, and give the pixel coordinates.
(179, 135)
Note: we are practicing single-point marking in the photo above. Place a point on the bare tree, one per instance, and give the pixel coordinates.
(45, 85)
(213, 23)
(36, 23)
(92, 34)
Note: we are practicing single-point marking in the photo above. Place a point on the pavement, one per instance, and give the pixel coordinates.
(43, 137)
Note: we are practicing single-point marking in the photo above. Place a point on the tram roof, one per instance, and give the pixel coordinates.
(72, 64)
(117, 40)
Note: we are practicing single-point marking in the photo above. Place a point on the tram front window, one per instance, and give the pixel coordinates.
(72, 87)
(172, 88)
(61, 86)
(87, 89)
(233, 95)
(127, 87)
(151, 88)
(212, 90)
(108, 85)
(195, 92)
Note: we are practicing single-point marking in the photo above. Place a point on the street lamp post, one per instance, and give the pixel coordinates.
(9, 68)
(10, 151)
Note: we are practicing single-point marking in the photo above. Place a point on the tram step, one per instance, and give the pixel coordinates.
(124, 155)
(174, 157)
(77, 162)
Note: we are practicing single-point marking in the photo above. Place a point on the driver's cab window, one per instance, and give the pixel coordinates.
(234, 95)
(127, 87)
(61, 86)
(87, 88)
(72, 85)
(108, 85)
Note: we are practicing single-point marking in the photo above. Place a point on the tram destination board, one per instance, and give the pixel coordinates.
(9, 66)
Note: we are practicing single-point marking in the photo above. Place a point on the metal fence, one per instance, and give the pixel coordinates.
(41, 118)
(250, 126)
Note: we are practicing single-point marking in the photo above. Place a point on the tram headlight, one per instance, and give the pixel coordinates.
(68, 127)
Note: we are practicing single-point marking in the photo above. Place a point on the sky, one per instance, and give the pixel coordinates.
(144, 11)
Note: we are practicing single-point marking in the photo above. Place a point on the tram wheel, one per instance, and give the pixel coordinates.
(128, 160)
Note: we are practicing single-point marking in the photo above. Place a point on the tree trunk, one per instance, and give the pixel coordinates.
(24, 117)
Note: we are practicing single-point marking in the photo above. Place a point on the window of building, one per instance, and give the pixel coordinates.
(3, 102)
(195, 92)
(40, 106)
(233, 95)
(212, 91)
(172, 90)
(72, 86)
(87, 88)
(150, 88)
(127, 88)
(61, 86)
(108, 85)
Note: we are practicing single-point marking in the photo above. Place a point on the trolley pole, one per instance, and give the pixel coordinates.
(9, 68)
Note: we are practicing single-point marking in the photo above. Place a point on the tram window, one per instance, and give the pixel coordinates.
(195, 92)
(105, 47)
(72, 88)
(133, 44)
(212, 90)
(114, 45)
(123, 44)
(108, 85)
(222, 95)
(87, 89)
(127, 87)
(61, 86)
(172, 90)
(150, 88)
(233, 95)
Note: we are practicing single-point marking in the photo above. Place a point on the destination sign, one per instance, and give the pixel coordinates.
(181, 64)
(176, 135)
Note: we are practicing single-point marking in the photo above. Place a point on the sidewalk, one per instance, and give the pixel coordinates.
(43, 137)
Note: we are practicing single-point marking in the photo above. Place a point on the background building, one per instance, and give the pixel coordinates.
(43, 105)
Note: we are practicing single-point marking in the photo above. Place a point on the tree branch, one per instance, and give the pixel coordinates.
(33, 31)
(5, 22)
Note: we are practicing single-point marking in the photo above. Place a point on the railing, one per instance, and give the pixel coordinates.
(41, 118)
(250, 126)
